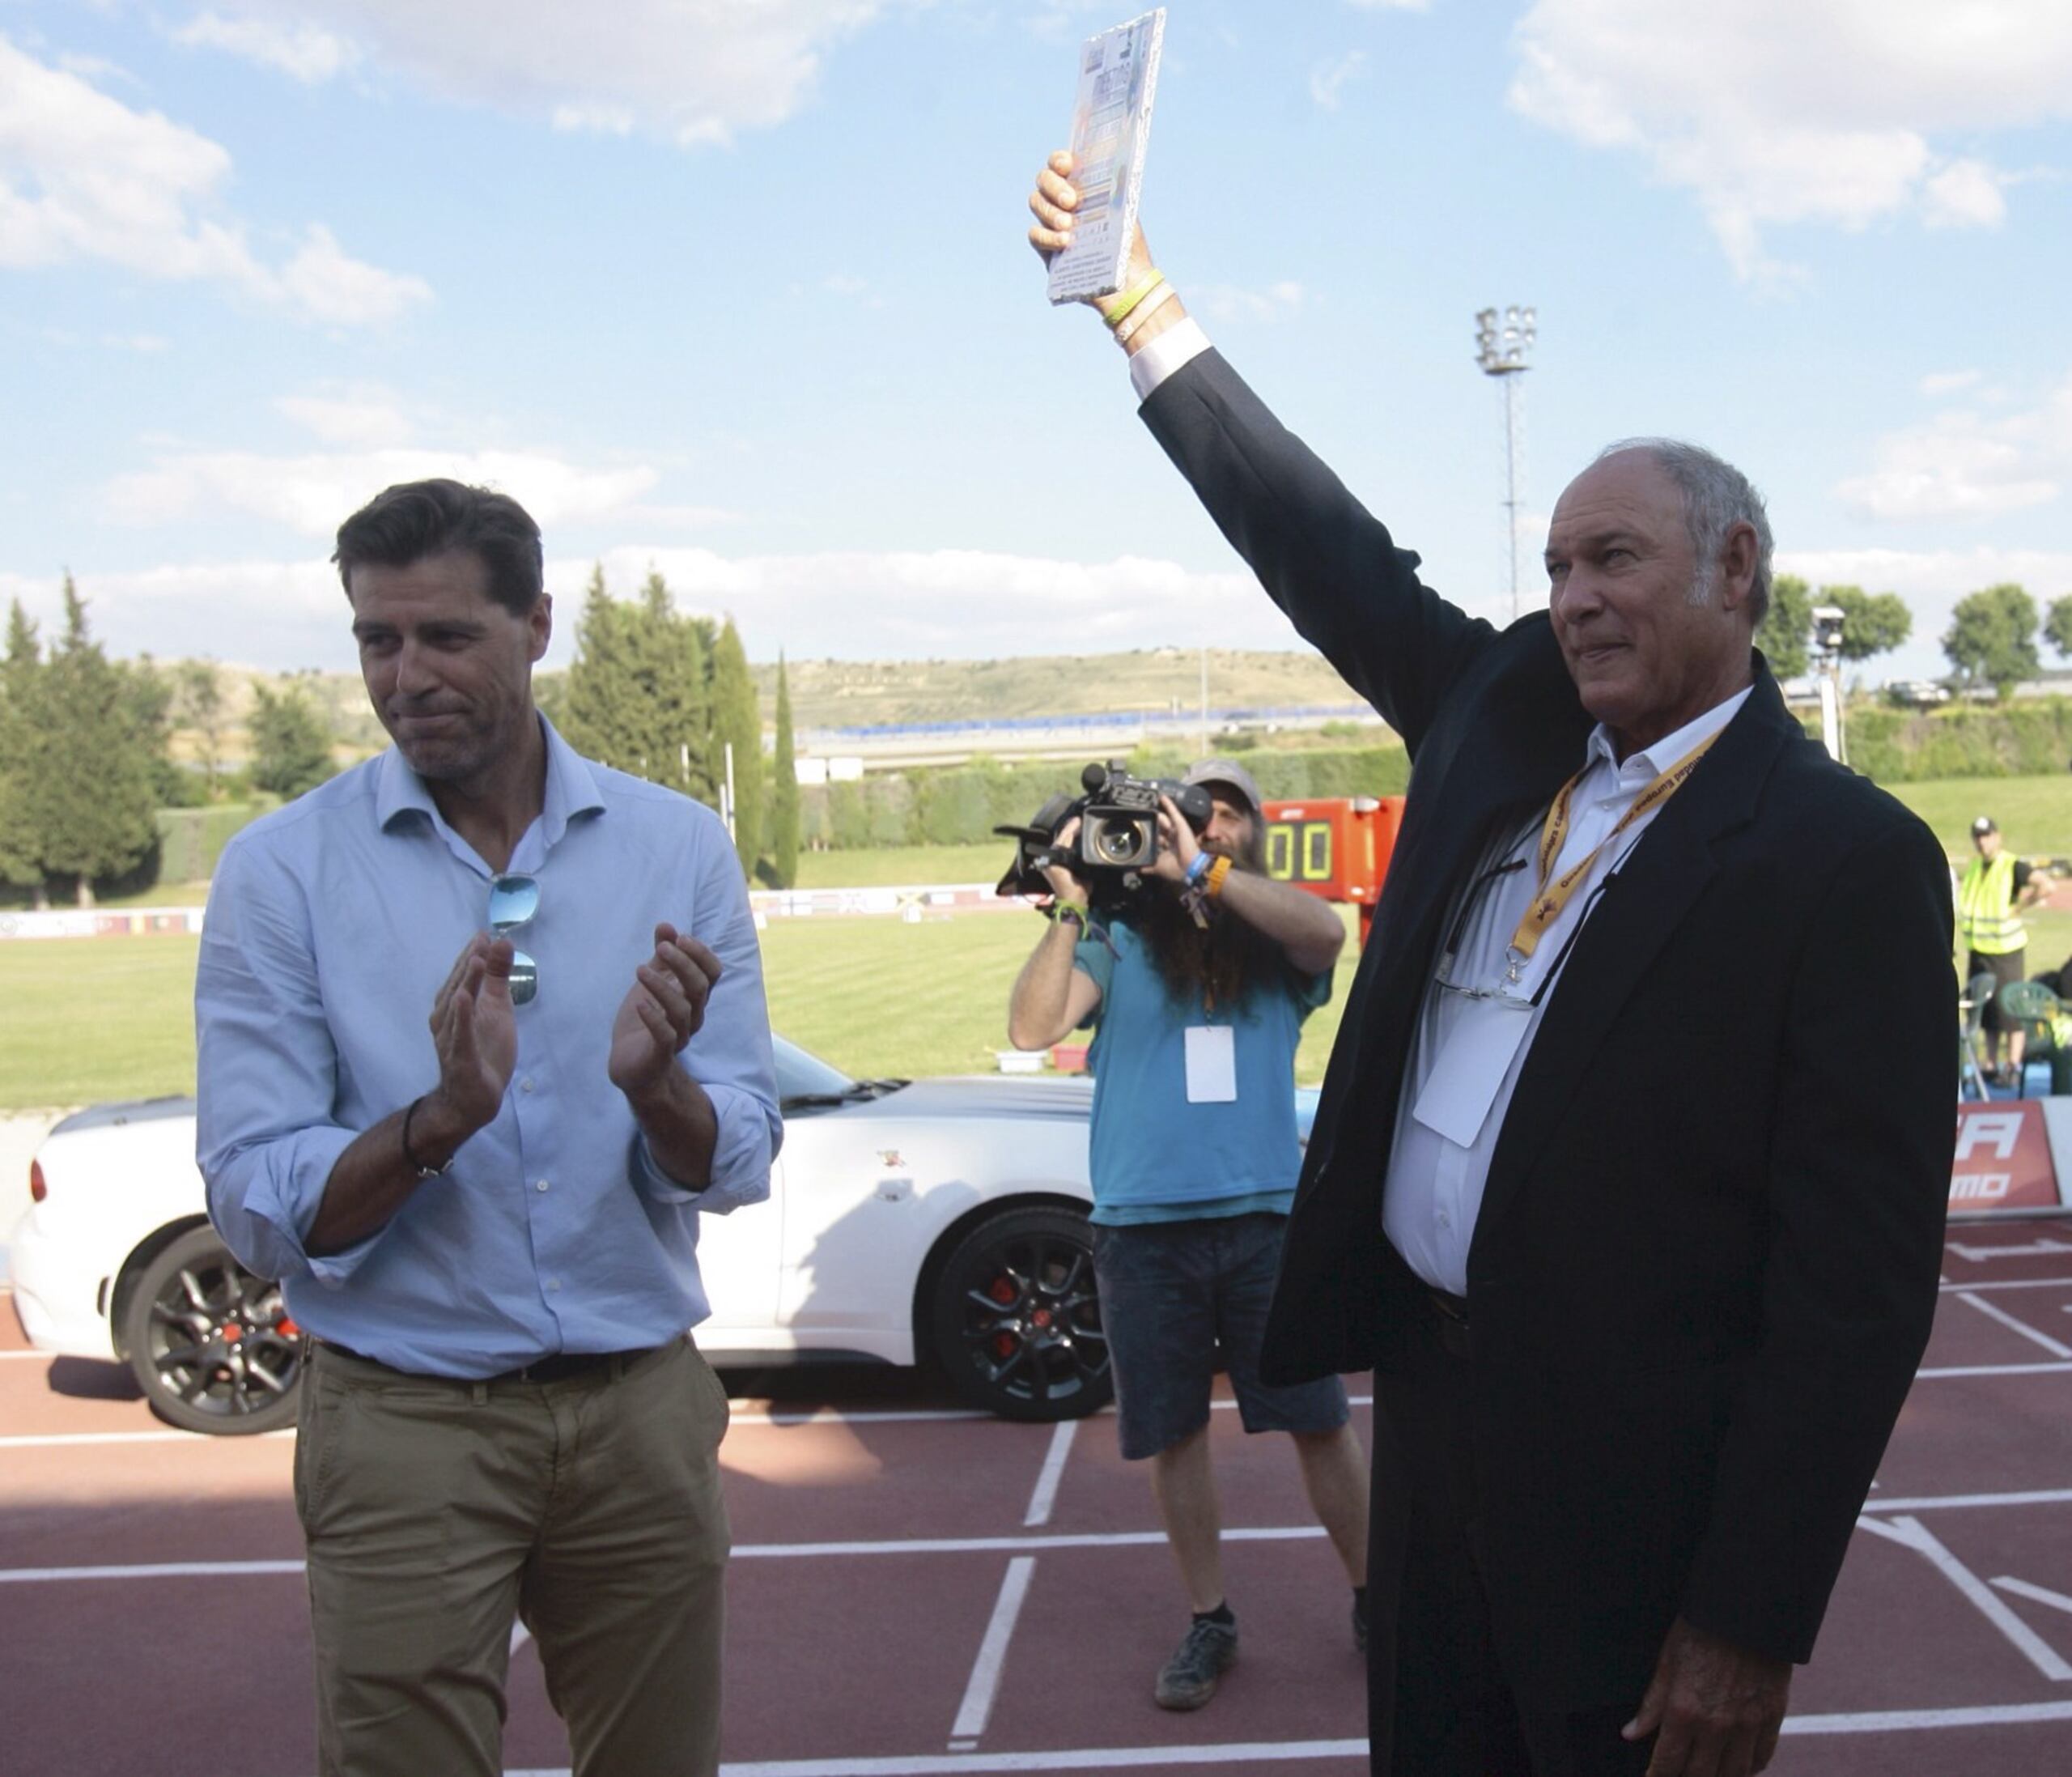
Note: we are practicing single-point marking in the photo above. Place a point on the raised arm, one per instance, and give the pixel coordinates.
(1323, 558)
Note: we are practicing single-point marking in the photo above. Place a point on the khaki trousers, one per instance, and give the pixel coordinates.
(438, 1512)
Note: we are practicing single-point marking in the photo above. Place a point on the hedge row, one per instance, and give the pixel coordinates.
(2032, 738)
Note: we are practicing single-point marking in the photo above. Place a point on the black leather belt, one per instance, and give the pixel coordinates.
(1450, 1315)
(560, 1366)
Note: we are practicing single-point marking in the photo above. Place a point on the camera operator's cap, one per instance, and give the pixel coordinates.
(1982, 826)
(1232, 776)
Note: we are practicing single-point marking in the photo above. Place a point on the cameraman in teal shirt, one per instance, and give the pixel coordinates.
(1196, 989)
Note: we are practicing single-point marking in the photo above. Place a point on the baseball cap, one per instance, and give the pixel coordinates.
(1229, 773)
(1983, 824)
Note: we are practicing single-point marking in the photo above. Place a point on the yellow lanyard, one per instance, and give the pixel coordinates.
(1551, 897)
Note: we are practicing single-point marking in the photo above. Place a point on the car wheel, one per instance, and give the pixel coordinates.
(1017, 1319)
(211, 1345)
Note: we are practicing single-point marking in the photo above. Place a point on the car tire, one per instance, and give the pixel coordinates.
(210, 1345)
(1016, 1318)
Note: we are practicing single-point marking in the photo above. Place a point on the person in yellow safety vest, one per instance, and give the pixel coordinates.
(1995, 887)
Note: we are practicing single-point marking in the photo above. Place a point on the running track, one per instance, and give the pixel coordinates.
(916, 1591)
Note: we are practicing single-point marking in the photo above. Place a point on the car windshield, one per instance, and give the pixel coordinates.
(804, 1080)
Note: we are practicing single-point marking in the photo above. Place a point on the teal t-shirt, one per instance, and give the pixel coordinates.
(1155, 1157)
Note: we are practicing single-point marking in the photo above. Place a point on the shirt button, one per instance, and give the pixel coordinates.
(554, 1283)
(1445, 1220)
(525, 1085)
(543, 1184)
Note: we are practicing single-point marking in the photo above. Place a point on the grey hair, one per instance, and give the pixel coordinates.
(1717, 497)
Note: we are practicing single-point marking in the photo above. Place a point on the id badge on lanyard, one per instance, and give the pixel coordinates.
(1212, 1063)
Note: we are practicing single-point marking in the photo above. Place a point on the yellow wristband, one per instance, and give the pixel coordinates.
(1213, 882)
(1112, 316)
(1059, 910)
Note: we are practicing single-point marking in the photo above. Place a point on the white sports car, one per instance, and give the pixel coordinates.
(940, 1219)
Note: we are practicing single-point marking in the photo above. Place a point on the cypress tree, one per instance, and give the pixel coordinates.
(92, 797)
(781, 836)
(737, 718)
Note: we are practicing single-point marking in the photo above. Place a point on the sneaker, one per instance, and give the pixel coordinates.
(1207, 1651)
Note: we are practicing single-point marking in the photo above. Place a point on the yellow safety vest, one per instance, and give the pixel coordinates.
(1986, 919)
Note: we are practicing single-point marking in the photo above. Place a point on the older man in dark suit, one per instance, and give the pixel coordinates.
(1629, 1172)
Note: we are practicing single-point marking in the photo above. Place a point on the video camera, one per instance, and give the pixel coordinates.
(1118, 839)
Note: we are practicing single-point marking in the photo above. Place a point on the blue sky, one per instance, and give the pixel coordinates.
(737, 288)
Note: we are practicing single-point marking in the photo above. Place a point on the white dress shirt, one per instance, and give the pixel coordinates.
(1470, 1046)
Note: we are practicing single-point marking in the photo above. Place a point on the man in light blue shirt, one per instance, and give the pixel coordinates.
(482, 1035)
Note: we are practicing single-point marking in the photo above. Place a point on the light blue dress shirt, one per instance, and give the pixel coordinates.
(332, 924)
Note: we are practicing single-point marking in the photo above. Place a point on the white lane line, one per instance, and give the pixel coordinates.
(157, 1570)
(977, 1708)
(1947, 1502)
(783, 1551)
(67, 1441)
(1912, 1534)
(2041, 1595)
(1993, 1312)
(2012, 1283)
(966, 1546)
(1882, 1721)
(740, 1416)
(2033, 1249)
(1960, 1370)
(1045, 1495)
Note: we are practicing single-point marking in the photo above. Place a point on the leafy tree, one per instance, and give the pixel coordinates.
(2058, 627)
(21, 742)
(1991, 639)
(738, 720)
(1873, 623)
(93, 799)
(637, 695)
(198, 704)
(1783, 633)
(781, 822)
(291, 744)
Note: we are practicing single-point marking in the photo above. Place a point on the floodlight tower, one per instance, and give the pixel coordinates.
(1502, 342)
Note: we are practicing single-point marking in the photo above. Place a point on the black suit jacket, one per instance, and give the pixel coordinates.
(1705, 1264)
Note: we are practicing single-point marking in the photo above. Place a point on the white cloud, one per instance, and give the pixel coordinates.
(311, 494)
(1948, 382)
(1778, 112)
(1391, 6)
(84, 176)
(1229, 302)
(1961, 463)
(1328, 80)
(690, 71)
(367, 420)
(307, 52)
(919, 604)
(1964, 194)
(333, 286)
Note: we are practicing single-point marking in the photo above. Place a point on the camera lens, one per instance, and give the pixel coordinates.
(1116, 842)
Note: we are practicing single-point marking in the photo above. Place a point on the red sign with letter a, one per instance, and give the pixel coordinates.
(2003, 1159)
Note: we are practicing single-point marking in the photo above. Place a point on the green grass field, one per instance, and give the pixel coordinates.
(90, 1019)
(2035, 814)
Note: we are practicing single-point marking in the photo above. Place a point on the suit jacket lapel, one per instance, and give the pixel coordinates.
(1648, 896)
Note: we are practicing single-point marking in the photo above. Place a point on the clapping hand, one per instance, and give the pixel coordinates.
(662, 1011)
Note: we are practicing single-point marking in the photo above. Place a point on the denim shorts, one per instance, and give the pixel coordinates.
(1176, 1296)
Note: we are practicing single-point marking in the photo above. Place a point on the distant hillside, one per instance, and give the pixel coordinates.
(842, 694)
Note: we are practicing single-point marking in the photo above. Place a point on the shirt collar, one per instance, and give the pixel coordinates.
(572, 789)
(1650, 762)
